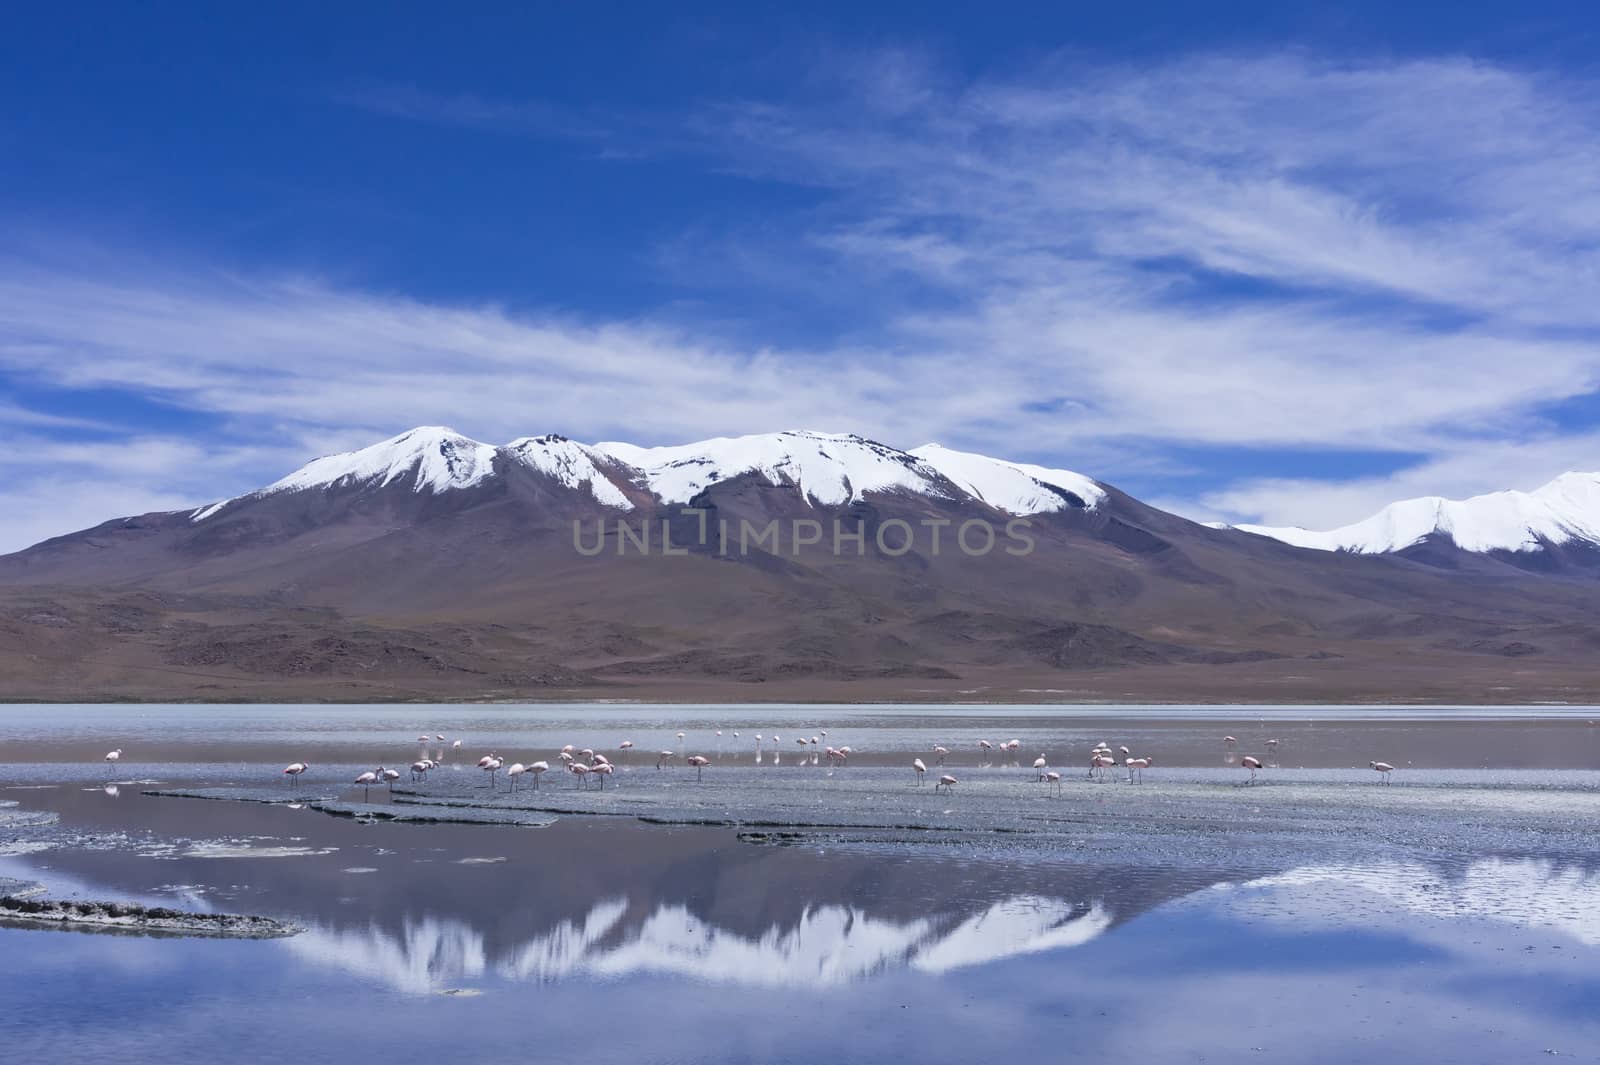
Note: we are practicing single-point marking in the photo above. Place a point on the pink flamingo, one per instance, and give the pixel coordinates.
(1138, 765)
(946, 782)
(1100, 763)
(538, 769)
(1384, 768)
(293, 770)
(366, 780)
(1053, 777)
(1038, 767)
(699, 761)
(1252, 763)
(919, 769)
(939, 753)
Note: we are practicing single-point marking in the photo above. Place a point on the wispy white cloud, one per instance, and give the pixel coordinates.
(1084, 263)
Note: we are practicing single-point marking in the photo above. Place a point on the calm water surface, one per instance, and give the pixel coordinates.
(602, 939)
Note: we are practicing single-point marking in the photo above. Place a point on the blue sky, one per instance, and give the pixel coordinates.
(1277, 262)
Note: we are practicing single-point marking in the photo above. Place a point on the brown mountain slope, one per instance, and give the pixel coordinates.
(363, 592)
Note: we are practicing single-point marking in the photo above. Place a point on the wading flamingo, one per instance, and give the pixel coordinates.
(538, 769)
(1383, 768)
(946, 782)
(919, 769)
(699, 761)
(1053, 777)
(418, 769)
(1137, 765)
(1252, 763)
(389, 776)
(366, 780)
(1100, 763)
(293, 770)
(663, 758)
(938, 755)
(1038, 767)
(515, 770)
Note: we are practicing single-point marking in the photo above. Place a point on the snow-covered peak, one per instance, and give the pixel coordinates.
(440, 458)
(1014, 487)
(571, 463)
(1568, 508)
(828, 468)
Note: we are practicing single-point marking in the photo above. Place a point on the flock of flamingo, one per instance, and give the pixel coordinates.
(588, 765)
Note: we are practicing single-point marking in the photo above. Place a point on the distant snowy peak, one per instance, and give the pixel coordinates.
(440, 459)
(827, 468)
(1014, 487)
(572, 464)
(1566, 509)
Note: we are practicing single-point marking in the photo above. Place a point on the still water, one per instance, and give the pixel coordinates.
(603, 939)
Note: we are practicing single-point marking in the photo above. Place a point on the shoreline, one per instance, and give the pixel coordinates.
(953, 703)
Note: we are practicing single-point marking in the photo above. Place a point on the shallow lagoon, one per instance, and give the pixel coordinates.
(1453, 916)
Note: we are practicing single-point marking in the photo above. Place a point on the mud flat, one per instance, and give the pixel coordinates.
(1174, 815)
(144, 920)
(272, 796)
(435, 814)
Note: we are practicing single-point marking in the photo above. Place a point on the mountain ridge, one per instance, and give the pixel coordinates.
(1563, 510)
(433, 566)
(830, 469)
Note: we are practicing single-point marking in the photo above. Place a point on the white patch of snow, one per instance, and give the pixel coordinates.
(1014, 487)
(572, 464)
(1568, 508)
(829, 468)
(440, 458)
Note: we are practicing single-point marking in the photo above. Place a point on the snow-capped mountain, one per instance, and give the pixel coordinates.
(431, 565)
(827, 469)
(1563, 511)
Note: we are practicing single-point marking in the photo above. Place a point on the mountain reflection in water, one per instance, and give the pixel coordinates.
(829, 946)
(834, 945)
